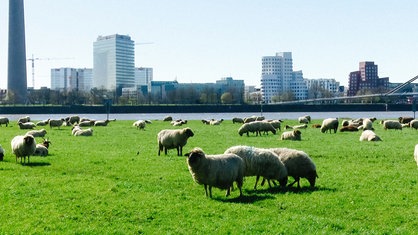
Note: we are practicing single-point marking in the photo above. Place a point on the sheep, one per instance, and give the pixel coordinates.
(414, 124)
(2, 152)
(367, 124)
(392, 124)
(42, 123)
(405, 120)
(415, 153)
(219, 170)
(23, 146)
(304, 119)
(75, 128)
(40, 150)
(71, 120)
(207, 122)
(298, 165)
(316, 125)
(350, 128)
(237, 120)
(246, 128)
(297, 127)
(140, 124)
(215, 122)
(291, 135)
(261, 162)
(170, 139)
(178, 122)
(86, 123)
(26, 125)
(249, 119)
(23, 119)
(168, 119)
(276, 124)
(84, 132)
(4, 120)
(102, 122)
(369, 135)
(329, 124)
(56, 123)
(37, 133)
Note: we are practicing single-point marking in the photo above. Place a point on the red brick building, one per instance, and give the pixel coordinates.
(366, 78)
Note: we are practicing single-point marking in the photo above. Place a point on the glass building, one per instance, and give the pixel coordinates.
(113, 63)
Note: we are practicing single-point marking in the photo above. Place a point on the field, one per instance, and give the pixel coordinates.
(115, 183)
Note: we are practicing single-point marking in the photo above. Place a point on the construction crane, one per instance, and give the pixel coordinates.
(33, 65)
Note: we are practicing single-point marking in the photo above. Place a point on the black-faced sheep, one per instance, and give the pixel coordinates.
(37, 133)
(42, 149)
(367, 124)
(392, 124)
(218, 171)
(329, 124)
(298, 165)
(26, 125)
(291, 135)
(173, 139)
(4, 120)
(405, 120)
(261, 162)
(23, 146)
(140, 124)
(369, 135)
(305, 119)
(71, 120)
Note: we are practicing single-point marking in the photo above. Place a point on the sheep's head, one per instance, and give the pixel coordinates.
(188, 132)
(28, 139)
(46, 143)
(297, 132)
(194, 156)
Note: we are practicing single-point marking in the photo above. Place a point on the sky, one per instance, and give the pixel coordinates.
(203, 41)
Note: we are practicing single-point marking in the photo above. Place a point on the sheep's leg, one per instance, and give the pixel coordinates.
(263, 181)
(180, 151)
(256, 181)
(165, 151)
(268, 181)
(228, 192)
(210, 191)
(206, 190)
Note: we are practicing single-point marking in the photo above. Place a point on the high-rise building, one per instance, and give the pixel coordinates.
(85, 79)
(113, 62)
(143, 76)
(71, 79)
(366, 78)
(16, 77)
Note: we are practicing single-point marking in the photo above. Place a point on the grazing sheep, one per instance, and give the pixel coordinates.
(350, 128)
(415, 153)
(168, 119)
(291, 135)
(42, 123)
(84, 132)
(56, 123)
(2, 152)
(405, 120)
(329, 124)
(298, 165)
(249, 119)
(392, 124)
(140, 124)
(71, 120)
(37, 133)
(4, 120)
(369, 135)
(276, 124)
(23, 119)
(303, 119)
(23, 146)
(170, 139)
(414, 124)
(218, 171)
(26, 125)
(237, 120)
(261, 162)
(246, 128)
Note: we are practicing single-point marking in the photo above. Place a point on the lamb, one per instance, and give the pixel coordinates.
(84, 132)
(291, 135)
(369, 135)
(219, 170)
(261, 162)
(2, 152)
(23, 146)
(414, 124)
(43, 123)
(170, 139)
(42, 149)
(37, 133)
(298, 165)
(140, 124)
(56, 123)
(26, 125)
(237, 120)
(392, 124)
(329, 124)
(4, 120)
(415, 153)
(23, 119)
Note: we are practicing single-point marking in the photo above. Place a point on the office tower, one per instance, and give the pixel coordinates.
(16, 77)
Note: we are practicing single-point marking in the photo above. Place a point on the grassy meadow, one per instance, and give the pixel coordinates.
(115, 183)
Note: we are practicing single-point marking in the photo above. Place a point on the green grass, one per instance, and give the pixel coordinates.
(100, 185)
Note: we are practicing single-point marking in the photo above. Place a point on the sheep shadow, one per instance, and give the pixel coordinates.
(245, 199)
(35, 164)
(295, 190)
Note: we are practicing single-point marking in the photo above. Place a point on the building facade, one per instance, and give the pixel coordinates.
(113, 62)
(366, 78)
(71, 79)
(143, 76)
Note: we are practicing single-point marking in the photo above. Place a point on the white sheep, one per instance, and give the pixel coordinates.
(369, 135)
(75, 128)
(304, 119)
(26, 125)
(261, 162)
(23, 146)
(140, 124)
(219, 171)
(84, 132)
(2, 152)
(170, 139)
(297, 127)
(291, 135)
(43, 123)
(277, 124)
(4, 120)
(298, 165)
(37, 133)
(416, 153)
(246, 128)
(414, 124)
(102, 122)
(56, 122)
(329, 124)
(392, 124)
(367, 124)
(23, 119)
(41, 150)
(215, 122)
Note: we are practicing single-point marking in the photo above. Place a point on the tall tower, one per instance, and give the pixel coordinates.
(16, 75)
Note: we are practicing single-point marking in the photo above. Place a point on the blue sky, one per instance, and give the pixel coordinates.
(202, 41)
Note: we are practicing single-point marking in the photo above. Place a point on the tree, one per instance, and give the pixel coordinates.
(226, 98)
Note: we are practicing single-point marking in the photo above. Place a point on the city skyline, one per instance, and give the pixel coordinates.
(204, 41)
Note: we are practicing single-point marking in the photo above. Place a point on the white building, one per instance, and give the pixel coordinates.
(143, 76)
(85, 79)
(63, 79)
(278, 77)
(113, 62)
(326, 84)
